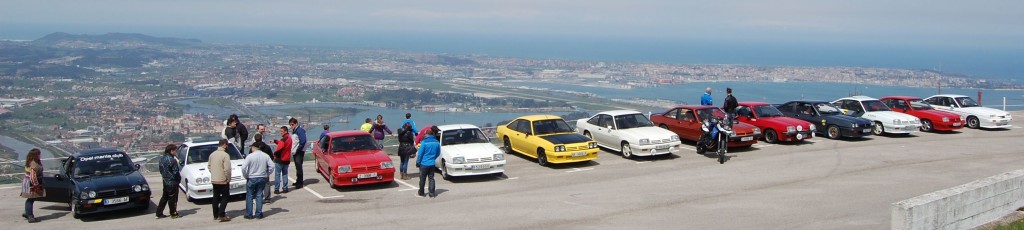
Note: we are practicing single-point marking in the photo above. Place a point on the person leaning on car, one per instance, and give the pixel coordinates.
(220, 177)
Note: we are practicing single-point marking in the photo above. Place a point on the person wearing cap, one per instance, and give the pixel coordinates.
(706, 99)
(730, 106)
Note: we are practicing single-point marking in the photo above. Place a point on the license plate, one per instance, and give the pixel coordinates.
(660, 147)
(481, 166)
(579, 154)
(115, 200)
(367, 175)
(747, 139)
(956, 124)
(867, 130)
(234, 186)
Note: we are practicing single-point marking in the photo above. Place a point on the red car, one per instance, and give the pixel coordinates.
(352, 158)
(773, 124)
(931, 119)
(683, 121)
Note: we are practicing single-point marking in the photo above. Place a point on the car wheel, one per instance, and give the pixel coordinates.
(833, 132)
(508, 147)
(972, 122)
(185, 190)
(330, 179)
(626, 151)
(878, 129)
(926, 126)
(74, 208)
(587, 134)
(542, 158)
(770, 136)
(663, 126)
(444, 171)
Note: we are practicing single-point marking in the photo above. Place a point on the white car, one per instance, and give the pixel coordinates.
(195, 176)
(629, 132)
(969, 110)
(884, 119)
(466, 151)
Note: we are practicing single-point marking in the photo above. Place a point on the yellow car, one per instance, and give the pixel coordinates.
(547, 138)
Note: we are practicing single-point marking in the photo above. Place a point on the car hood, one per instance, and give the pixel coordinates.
(888, 116)
(782, 122)
(473, 150)
(983, 111)
(931, 113)
(844, 119)
(197, 170)
(646, 132)
(359, 157)
(113, 181)
(567, 138)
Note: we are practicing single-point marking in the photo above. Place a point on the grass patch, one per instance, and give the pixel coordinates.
(1016, 225)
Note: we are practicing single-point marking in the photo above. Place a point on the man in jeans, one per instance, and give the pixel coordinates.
(282, 156)
(258, 138)
(430, 148)
(298, 149)
(256, 170)
(220, 176)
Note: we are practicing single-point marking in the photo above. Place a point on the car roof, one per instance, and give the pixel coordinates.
(539, 117)
(619, 112)
(456, 126)
(346, 133)
(901, 97)
(808, 101)
(98, 151)
(693, 107)
(752, 103)
(858, 98)
(948, 95)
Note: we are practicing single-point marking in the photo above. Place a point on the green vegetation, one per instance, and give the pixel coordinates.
(320, 114)
(7, 153)
(216, 101)
(433, 85)
(48, 113)
(1016, 225)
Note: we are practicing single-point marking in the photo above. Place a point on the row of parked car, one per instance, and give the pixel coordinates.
(107, 179)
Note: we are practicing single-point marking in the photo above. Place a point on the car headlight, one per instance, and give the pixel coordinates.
(790, 129)
(853, 125)
(137, 188)
(92, 194)
(945, 119)
(344, 169)
(757, 130)
(145, 187)
(386, 165)
(559, 148)
(991, 115)
(813, 128)
(458, 160)
(499, 156)
(592, 145)
(85, 195)
(675, 137)
(645, 141)
(203, 180)
(896, 121)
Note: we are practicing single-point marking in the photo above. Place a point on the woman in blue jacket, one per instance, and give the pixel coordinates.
(430, 148)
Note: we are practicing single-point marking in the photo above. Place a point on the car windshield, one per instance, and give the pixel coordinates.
(104, 164)
(826, 109)
(767, 111)
(707, 113)
(919, 104)
(201, 154)
(463, 136)
(635, 120)
(353, 143)
(875, 105)
(542, 127)
(966, 102)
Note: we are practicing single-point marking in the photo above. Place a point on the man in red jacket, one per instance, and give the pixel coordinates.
(282, 156)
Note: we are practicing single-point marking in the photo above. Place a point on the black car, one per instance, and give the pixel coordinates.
(98, 180)
(830, 120)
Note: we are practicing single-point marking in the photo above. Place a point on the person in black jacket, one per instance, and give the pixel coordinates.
(730, 106)
(241, 133)
(406, 148)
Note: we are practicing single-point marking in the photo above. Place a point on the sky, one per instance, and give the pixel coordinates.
(987, 25)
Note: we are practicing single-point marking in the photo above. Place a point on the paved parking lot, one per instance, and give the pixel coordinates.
(817, 184)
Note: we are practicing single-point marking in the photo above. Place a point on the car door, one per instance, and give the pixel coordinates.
(528, 141)
(689, 124)
(323, 148)
(606, 131)
(746, 115)
(941, 103)
(673, 123)
(58, 186)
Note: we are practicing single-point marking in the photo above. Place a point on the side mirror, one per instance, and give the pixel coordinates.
(137, 166)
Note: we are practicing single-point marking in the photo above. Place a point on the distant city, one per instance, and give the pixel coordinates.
(70, 92)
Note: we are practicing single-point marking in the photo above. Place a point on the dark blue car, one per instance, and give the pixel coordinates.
(98, 180)
(830, 120)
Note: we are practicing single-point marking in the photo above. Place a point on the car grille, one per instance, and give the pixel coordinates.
(237, 178)
(575, 148)
(662, 141)
(373, 168)
(118, 192)
(747, 133)
(478, 160)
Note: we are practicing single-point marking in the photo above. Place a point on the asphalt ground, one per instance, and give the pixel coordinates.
(816, 184)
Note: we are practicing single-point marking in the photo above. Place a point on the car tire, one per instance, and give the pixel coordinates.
(185, 190)
(833, 132)
(627, 152)
(330, 179)
(587, 134)
(74, 208)
(444, 171)
(878, 129)
(770, 136)
(508, 147)
(927, 126)
(972, 122)
(542, 158)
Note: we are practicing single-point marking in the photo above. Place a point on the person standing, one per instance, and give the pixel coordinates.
(327, 129)
(298, 149)
(242, 134)
(430, 148)
(170, 171)
(32, 183)
(230, 132)
(263, 147)
(220, 177)
(282, 156)
(408, 120)
(406, 148)
(730, 106)
(366, 127)
(378, 130)
(706, 99)
(256, 170)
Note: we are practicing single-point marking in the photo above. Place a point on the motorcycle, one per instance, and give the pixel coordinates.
(715, 137)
